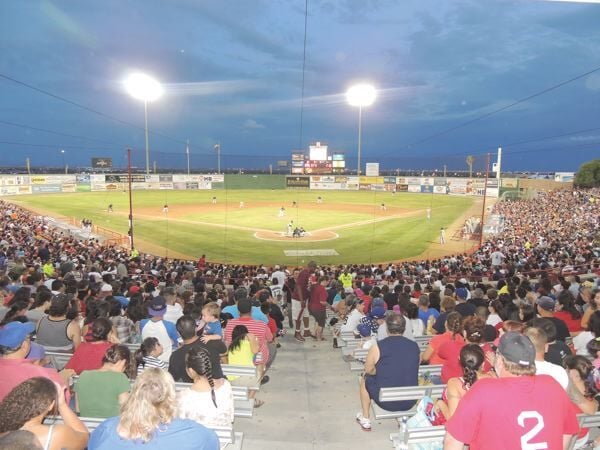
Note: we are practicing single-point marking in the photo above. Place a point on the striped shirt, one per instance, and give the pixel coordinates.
(259, 329)
(150, 362)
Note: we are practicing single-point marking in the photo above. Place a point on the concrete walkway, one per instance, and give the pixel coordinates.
(311, 403)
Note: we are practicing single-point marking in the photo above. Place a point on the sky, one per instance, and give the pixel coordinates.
(453, 78)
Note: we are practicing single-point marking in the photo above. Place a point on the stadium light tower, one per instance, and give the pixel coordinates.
(360, 95)
(62, 152)
(147, 89)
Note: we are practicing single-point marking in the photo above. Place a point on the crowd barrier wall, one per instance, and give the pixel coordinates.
(41, 184)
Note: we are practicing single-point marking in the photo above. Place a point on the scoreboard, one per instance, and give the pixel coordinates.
(318, 161)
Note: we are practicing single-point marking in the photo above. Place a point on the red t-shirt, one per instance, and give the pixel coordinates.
(272, 325)
(301, 289)
(449, 352)
(527, 412)
(258, 329)
(574, 325)
(15, 371)
(88, 356)
(318, 294)
(437, 341)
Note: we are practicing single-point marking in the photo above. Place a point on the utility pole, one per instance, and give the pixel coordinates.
(187, 152)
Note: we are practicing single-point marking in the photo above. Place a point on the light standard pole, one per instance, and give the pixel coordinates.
(360, 95)
(218, 150)
(62, 152)
(147, 89)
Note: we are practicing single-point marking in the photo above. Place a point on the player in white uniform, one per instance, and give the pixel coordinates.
(281, 212)
(442, 236)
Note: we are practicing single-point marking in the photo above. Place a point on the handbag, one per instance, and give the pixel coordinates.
(424, 417)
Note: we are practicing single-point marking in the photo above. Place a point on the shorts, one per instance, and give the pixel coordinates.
(373, 388)
(296, 306)
(319, 316)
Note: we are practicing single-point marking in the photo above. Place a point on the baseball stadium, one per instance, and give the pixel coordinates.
(299, 225)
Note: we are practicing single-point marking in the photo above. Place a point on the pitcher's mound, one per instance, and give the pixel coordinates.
(322, 235)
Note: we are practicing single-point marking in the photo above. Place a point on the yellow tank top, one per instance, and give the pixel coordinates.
(242, 356)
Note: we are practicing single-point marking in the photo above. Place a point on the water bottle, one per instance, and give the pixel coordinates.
(403, 434)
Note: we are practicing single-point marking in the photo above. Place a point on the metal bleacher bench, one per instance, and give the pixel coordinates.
(437, 433)
(407, 393)
(419, 436)
(227, 437)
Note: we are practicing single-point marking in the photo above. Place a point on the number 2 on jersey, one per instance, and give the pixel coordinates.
(530, 435)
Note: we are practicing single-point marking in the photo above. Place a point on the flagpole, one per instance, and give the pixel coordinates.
(218, 149)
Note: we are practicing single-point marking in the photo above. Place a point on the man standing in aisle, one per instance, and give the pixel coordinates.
(300, 298)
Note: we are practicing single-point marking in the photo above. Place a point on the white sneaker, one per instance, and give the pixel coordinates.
(364, 423)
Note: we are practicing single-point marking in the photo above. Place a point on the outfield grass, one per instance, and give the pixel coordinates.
(382, 241)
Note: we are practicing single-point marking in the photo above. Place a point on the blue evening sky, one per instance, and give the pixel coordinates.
(233, 74)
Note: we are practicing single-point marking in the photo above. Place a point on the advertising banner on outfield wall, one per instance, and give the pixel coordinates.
(439, 181)
(413, 180)
(297, 182)
(327, 186)
(427, 189)
(439, 189)
(414, 188)
(370, 180)
(9, 190)
(322, 179)
(402, 187)
(427, 181)
(510, 183)
(378, 187)
(460, 186)
(45, 188)
(165, 178)
(69, 187)
(390, 187)
(389, 180)
(167, 186)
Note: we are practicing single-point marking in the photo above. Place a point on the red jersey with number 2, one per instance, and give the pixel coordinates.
(526, 412)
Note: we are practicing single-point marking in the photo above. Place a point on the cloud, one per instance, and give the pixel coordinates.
(251, 124)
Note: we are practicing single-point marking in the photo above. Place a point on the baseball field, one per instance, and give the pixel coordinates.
(347, 227)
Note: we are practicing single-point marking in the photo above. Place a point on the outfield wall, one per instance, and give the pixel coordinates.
(42, 184)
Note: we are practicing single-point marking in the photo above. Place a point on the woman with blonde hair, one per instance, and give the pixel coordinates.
(148, 419)
(27, 405)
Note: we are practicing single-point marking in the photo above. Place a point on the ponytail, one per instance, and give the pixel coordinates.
(454, 324)
(145, 349)
(239, 333)
(198, 360)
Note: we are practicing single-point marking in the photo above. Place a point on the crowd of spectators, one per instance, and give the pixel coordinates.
(59, 293)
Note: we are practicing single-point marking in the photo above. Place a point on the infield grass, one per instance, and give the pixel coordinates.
(194, 226)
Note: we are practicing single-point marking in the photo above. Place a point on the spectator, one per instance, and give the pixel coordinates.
(391, 362)
(164, 331)
(186, 327)
(40, 306)
(568, 313)
(100, 393)
(147, 355)
(211, 314)
(499, 422)
(471, 362)
(20, 440)
(580, 341)
(465, 309)
(545, 308)
(88, 355)
(453, 333)
(55, 331)
(266, 354)
(150, 408)
(242, 293)
(208, 401)
(174, 309)
(14, 367)
(242, 350)
(592, 305)
(356, 312)
(317, 306)
(557, 350)
(583, 388)
(425, 312)
(416, 324)
(449, 351)
(496, 312)
(26, 406)
(543, 367)
(124, 327)
(448, 305)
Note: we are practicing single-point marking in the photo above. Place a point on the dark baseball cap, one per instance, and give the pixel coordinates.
(546, 303)
(157, 306)
(517, 348)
